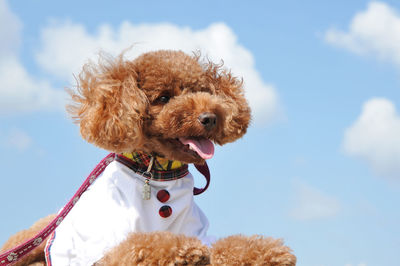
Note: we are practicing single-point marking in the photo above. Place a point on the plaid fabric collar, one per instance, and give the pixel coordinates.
(162, 170)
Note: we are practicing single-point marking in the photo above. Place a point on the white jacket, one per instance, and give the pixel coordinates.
(113, 207)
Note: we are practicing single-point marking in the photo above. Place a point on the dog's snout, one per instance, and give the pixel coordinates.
(208, 120)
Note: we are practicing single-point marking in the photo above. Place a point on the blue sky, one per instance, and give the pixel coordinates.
(320, 165)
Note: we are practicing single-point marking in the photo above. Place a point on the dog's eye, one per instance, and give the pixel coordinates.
(163, 99)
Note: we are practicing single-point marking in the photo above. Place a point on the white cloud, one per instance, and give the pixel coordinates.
(375, 137)
(19, 91)
(10, 27)
(17, 140)
(375, 31)
(312, 204)
(67, 46)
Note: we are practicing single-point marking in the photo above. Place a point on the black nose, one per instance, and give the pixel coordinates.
(208, 120)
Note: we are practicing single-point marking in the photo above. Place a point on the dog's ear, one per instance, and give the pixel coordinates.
(108, 105)
(230, 88)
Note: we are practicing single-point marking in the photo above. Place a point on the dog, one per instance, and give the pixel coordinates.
(156, 114)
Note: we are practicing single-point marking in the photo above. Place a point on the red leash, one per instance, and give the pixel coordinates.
(13, 255)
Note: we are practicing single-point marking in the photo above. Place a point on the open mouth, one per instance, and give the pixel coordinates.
(201, 146)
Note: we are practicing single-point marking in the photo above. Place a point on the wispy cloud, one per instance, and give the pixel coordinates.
(374, 137)
(16, 139)
(10, 28)
(359, 264)
(310, 203)
(374, 31)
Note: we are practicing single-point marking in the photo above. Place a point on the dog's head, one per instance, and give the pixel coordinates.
(165, 103)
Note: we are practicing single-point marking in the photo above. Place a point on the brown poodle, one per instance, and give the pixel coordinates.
(157, 113)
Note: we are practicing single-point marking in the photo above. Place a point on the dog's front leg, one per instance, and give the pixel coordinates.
(255, 250)
(158, 248)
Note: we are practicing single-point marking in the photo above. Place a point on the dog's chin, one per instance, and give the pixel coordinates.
(174, 149)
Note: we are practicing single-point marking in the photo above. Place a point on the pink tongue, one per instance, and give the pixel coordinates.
(203, 147)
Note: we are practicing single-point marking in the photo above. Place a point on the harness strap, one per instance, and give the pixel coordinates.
(13, 255)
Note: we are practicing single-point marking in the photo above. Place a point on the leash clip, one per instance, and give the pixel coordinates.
(146, 192)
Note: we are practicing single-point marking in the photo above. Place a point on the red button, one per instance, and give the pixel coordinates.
(165, 211)
(163, 195)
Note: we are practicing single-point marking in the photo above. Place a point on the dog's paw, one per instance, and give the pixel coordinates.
(255, 250)
(159, 248)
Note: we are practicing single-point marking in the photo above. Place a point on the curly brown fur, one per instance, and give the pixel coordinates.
(255, 250)
(118, 104)
(158, 248)
(36, 257)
